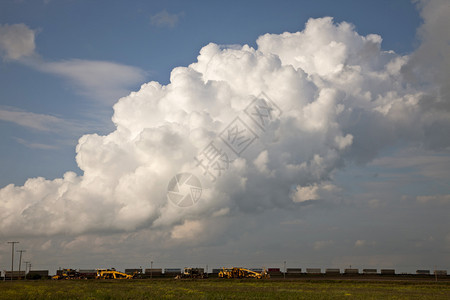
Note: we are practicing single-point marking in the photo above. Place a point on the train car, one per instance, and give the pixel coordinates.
(88, 273)
(332, 271)
(351, 271)
(172, 272)
(294, 270)
(14, 274)
(153, 272)
(387, 272)
(440, 272)
(274, 270)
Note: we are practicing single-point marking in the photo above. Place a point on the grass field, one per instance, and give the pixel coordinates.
(223, 289)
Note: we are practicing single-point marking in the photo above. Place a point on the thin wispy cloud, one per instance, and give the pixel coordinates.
(102, 81)
(428, 164)
(39, 122)
(59, 131)
(434, 199)
(33, 145)
(318, 245)
(165, 19)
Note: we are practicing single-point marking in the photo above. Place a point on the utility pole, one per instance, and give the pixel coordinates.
(284, 273)
(20, 260)
(12, 257)
(151, 269)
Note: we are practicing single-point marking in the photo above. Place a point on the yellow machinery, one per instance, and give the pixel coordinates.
(242, 273)
(112, 274)
(101, 274)
(195, 273)
(67, 274)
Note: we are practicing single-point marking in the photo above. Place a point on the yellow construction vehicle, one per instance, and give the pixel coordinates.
(112, 274)
(242, 273)
(194, 273)
(67, 274)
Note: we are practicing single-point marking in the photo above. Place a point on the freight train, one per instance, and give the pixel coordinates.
(178, 272)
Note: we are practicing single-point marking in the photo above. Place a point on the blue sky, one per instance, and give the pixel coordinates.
(86, 55)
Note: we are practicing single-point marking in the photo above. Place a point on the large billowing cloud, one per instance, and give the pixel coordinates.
(429, 65)
(338, 98)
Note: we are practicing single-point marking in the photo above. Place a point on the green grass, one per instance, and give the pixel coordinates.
(223, 289)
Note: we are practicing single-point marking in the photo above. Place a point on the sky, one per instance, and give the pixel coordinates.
(328, 124)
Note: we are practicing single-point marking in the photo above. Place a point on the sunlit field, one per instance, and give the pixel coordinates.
(223, 289)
